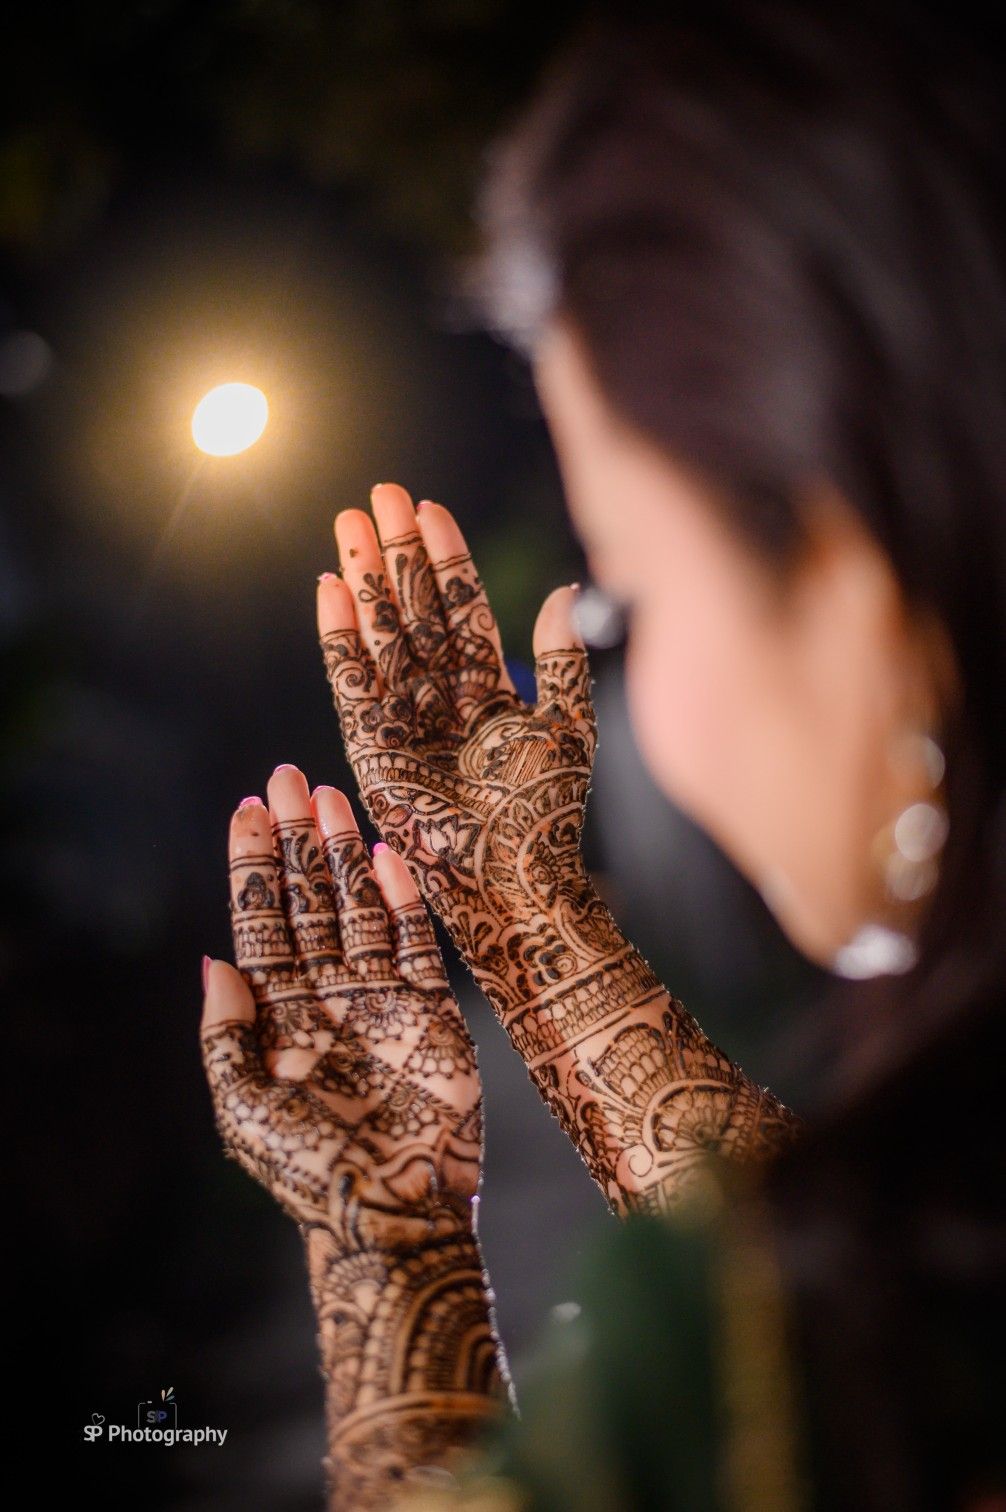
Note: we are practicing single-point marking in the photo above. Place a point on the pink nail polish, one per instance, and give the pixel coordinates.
(575, 587)
(253, 799)
(284, 766)
(323, 577)
(379, 847)
(206, 972)
(323, 787)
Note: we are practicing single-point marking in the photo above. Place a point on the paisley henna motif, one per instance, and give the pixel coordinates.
(485, 801)
(374, 1149)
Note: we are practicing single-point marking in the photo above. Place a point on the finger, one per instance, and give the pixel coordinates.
(231, 1053)
(228, 998)
(285, 1138)
(305, 882)
(410, 574)
(230, 1049)
(364, 574)
(443, 1047)
(364, 927)
(416, 950)
(475, 668)
(288, 1016)
(561, 664)
(366, 721)
(413, 586)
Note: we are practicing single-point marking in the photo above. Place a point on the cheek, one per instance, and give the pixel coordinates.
(713, 728)
(685, 692)
(758, 752)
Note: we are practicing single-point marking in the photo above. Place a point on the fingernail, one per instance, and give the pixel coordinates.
(323, 787)
(206, 972)
(379, 847)
(375, 488)
(324, 576)
(284, 766)
(421, 503)
(253, 799)
(576, 586)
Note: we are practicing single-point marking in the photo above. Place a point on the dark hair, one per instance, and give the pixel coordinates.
(775, 228)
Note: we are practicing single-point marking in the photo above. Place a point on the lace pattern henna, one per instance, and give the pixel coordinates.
(483, 795)
(354, 1099)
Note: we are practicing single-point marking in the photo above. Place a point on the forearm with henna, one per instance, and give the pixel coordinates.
(410, 1363)
(353, 1097)
(484, 796)
(641, 1091)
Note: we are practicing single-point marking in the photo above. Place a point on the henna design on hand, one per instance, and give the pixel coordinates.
(352, 1095)
(483, 795)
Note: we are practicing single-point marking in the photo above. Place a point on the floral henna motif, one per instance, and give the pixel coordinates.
(374, 1148)
(486, 805)
(410, 1360)
(441, 1049)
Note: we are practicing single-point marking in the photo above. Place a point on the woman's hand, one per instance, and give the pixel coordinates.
(344, 1080)
(343, 1074)
(483, 795)
(481, 792)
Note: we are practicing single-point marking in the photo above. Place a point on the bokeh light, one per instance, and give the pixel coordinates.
(229, 419)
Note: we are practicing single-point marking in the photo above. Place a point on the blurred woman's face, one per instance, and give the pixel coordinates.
(768, 712)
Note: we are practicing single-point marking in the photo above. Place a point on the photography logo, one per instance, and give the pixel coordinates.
(162, 1414)
(156, 1423)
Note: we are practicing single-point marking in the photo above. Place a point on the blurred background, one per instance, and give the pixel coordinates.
(277, 192)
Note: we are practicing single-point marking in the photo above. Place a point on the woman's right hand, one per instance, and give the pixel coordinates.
(344, 1080)
(342, 1072)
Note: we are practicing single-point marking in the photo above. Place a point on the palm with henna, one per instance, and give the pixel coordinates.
(483, 794)
(344, 1080)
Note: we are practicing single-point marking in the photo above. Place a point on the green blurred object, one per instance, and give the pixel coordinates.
(664, 1385)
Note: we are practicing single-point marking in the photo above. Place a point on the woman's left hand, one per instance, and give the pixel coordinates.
(344, 1080)
(342, 1073)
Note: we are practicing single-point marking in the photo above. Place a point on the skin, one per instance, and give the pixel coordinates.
(483, 795)
(343, 1079)
(768, 707)
(769, 710)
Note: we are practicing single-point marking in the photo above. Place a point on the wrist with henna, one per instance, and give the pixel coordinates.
(343, 1079)
(641, 1091)
(483, 794)
(410, 1359)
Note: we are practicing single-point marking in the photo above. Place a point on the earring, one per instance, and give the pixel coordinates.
(600, 619)
(907, 848)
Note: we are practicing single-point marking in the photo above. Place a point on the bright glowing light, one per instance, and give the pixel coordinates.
(229, 419)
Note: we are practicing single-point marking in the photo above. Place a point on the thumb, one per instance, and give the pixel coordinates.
(554, 629)
(227, 999)
(230, 1049)
(561, 666)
